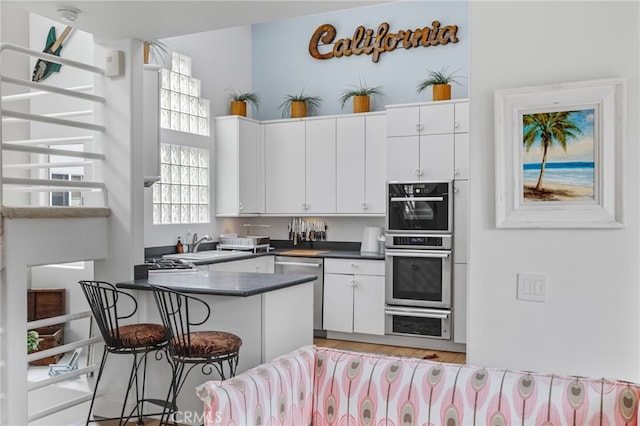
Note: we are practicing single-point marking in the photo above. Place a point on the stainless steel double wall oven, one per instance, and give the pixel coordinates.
(419, 259)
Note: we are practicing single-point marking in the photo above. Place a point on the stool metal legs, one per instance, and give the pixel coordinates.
(139, 365)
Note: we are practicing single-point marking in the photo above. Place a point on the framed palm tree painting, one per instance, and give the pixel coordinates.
(560, 155)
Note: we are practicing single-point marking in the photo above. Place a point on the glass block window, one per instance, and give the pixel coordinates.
(181, 107)
(182, 195)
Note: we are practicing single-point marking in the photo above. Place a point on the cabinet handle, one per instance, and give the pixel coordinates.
(305, 206)
(352, 282)
(354, 265)
(455, 189)
(456, 125)
(418, 172)
(456, 172)
(364, 206)
(419, 127)
(239, 206)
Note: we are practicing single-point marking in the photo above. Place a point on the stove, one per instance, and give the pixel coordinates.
(162, 265)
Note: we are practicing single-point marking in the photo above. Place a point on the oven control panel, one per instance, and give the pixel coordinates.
(422, 241)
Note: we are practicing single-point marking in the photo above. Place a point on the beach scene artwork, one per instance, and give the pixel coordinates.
(558, 163)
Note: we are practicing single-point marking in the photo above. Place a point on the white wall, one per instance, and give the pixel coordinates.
(283, 66)
(589, 323)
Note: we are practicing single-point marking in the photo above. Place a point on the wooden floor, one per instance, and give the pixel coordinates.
(440, 356)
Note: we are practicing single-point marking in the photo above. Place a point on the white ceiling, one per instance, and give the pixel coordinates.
(150, 20)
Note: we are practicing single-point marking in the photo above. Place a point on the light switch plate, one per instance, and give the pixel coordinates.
(532, 287)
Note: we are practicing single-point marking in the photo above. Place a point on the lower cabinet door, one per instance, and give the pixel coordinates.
(368, 304)
(338, 303)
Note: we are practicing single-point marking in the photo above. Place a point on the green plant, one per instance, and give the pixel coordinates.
(313, 103)
(437, 77)
(33, 340)
(158, 49)
(360, 90)
(249, 97)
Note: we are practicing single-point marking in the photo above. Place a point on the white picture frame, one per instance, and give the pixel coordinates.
(522, 122)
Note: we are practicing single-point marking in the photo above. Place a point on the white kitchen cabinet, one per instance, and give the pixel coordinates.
(300, 166)
(428, 157)
(421, 142)
(262, 264)
(460, 221)
(460, 303)
(428, 119)
(354, 296)
(239, 167)
(360, 164)
(461, 156)
(320, 166)
(284, 167)
(461, 117)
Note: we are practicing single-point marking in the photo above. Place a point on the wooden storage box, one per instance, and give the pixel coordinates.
(47, 303)
(51, 337)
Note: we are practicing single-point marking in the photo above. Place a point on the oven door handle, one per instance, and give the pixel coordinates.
(422, 313)
(401, 199)
(441, 254)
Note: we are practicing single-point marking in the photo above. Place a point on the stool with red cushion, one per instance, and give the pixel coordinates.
(189, 348)
(110, 307)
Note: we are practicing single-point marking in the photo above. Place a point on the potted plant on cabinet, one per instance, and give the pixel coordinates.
(441, 82)
(239, 102)
(361, 96)
(300, 105)
(156, 48)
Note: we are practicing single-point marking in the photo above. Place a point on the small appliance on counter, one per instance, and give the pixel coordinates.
(370, 239)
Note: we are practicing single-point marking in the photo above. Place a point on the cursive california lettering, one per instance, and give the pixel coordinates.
(365, 41)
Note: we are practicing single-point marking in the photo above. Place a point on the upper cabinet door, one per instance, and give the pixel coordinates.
(250, 183)
(436, 119)
(375, 164)
(350, 164)
(239, 179)
(462, 117)
(403, 121)
(285, 167)
(320, 192)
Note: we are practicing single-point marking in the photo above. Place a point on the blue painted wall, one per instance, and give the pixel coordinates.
(282, 64)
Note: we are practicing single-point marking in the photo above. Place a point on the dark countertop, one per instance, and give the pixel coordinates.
(321, 249)
(215, 283)
(334, 254)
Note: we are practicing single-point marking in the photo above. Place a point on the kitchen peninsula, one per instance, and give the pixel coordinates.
(272, 314)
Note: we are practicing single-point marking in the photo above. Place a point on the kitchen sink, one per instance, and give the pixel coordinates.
(206, 255)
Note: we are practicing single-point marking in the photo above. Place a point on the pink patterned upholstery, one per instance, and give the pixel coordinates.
(276, 393)
(367, 389)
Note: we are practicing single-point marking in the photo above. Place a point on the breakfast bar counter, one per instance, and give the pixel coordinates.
(218, 283)
(271, 313)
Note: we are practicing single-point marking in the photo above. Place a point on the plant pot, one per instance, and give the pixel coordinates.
(51, 336)
(361, 104)
(298, 109)
(239, 108)
(145, 52)
(441, 92)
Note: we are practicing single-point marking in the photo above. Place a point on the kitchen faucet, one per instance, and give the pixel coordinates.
(195, 244)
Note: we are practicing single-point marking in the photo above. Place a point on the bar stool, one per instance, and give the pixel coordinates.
(189, 348)
(136, 340)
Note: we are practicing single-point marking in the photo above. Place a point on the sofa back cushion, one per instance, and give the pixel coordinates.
(279, 392)
(369, 389)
